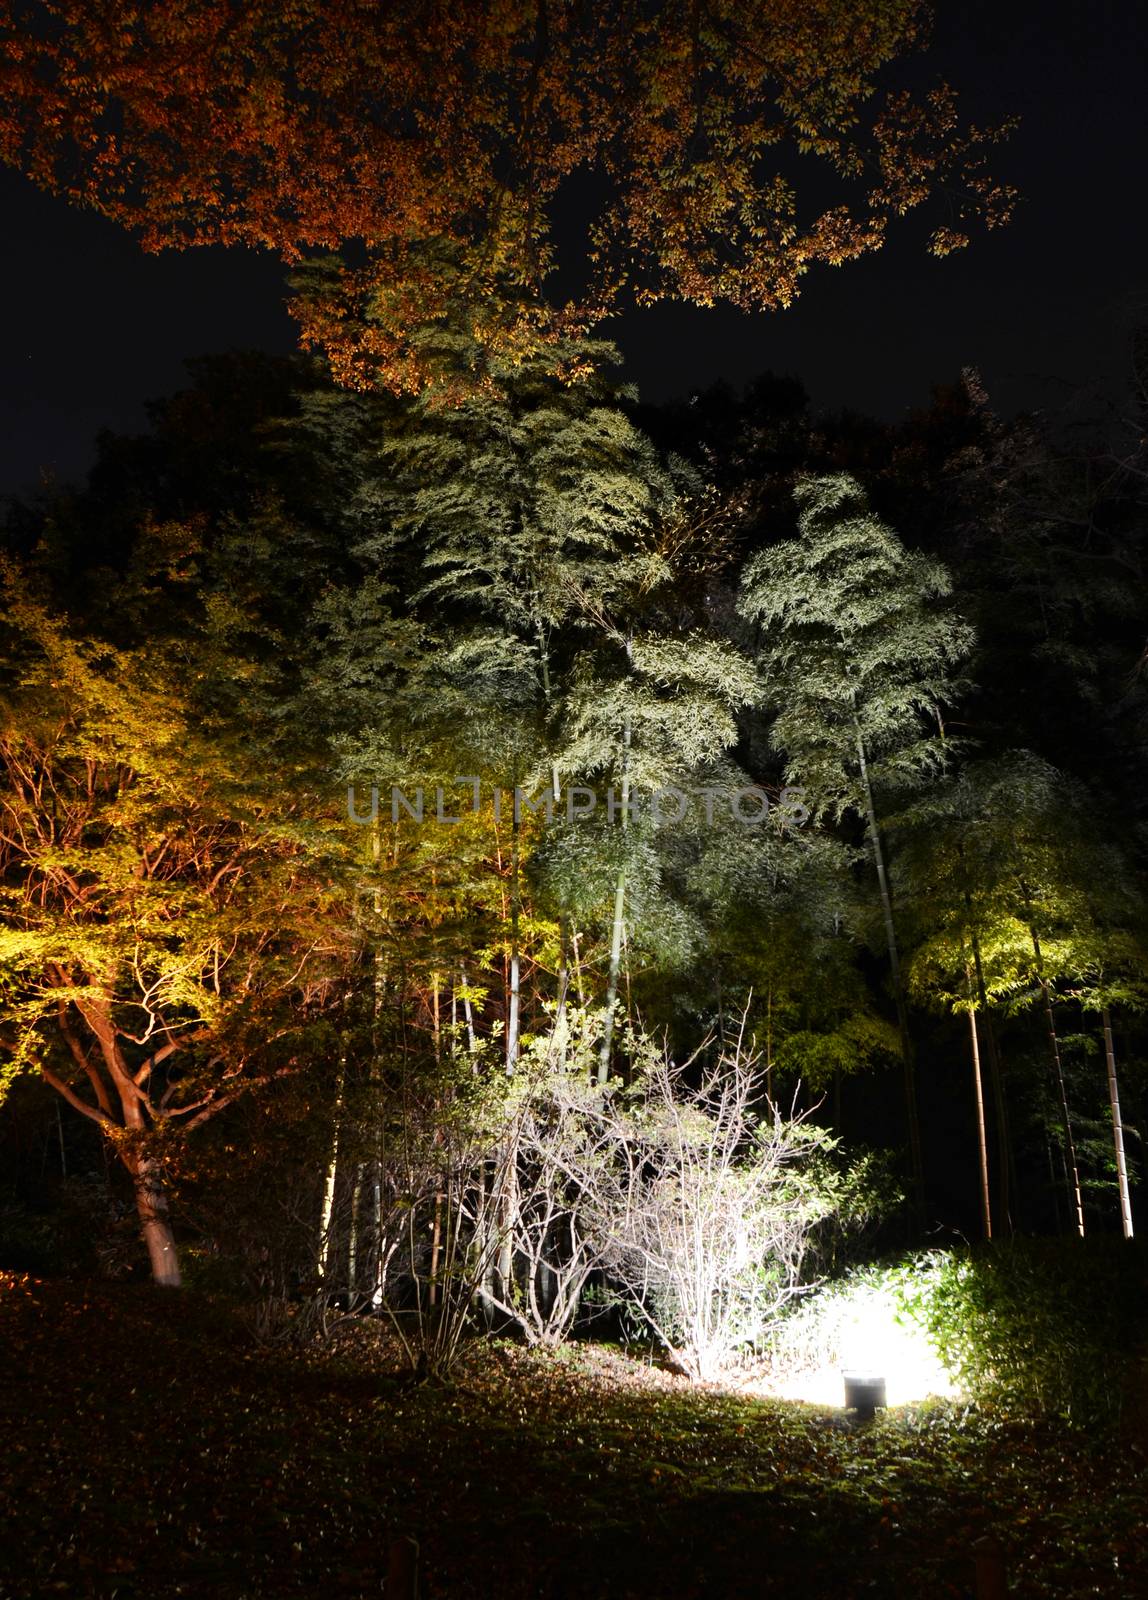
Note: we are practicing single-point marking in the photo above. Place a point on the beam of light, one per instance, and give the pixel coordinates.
(860, 1329)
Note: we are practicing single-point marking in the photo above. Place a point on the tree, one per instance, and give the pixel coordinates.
(562, 1149)
(499, 528)
(969, 947)
(167, 943)
(545, 554)
(654, 716)
(858, 660)
(1105, 946)
(1018, 904)
(438, 140)
(529, 503)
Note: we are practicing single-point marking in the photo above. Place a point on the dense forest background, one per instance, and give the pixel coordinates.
(573, 971)
(919, 648)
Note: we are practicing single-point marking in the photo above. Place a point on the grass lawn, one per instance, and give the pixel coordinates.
(149, 1450)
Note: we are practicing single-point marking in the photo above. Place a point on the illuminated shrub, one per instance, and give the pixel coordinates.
(1047, 1326)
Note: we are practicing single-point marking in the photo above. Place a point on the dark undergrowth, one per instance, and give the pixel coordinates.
(150, 1451)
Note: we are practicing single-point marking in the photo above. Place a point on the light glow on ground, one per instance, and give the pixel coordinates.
(859, 1332)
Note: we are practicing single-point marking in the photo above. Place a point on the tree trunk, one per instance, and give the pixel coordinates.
(468, 1014)
(353, 1242)
(982, 1145)
(619, 909)
(580, 986)
(382, 1256)
(1117, 1126)
(508, 1193)
(1072, 1170)
(328, 1210)
(151, 1204)
(561, 1022)
(507, 1221)
(146, 1176)
(996, 1078)
(916, 1160)
(436, 1247)
(615, 969)
(513, 981)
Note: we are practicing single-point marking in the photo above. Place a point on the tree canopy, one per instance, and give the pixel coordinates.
(434, 146)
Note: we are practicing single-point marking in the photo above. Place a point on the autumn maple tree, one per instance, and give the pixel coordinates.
(414, 155)
(166, 943)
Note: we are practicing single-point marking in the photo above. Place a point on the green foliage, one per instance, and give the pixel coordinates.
(1039, 1325)
(1034, 1327)
(285, 589)
(856, 646)
(1007, 853)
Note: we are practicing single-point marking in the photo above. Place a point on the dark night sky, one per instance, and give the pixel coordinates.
(95, 327)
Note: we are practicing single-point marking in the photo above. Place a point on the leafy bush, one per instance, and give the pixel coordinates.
(1048, 1325)
(1052, 1326)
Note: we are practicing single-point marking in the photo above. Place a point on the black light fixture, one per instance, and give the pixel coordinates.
(864, 1393)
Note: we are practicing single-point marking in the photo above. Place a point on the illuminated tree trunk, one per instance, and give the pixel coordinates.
(382, 1246)
(353, 1242)
(1117, 1126)
(1072, 1171)
(328, 1209)
(561, 1025)
(130, 1089)
(979, 1098)
(508, 1188)
(436, 1247)
(1071, 1168)
(152, 1208)
(513, 976)
(615, 970)
(468, 1014)
(581, 987)
(619, 908)
(996, 1078)
(911, 1113)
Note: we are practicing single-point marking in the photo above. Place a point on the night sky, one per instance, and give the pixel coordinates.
(1044, 308)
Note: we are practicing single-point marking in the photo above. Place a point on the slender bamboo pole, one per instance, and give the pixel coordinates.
(996, 1078)
(978, 1094)
(1117, 1126)
(911, 1112)
(1072, 1170)
(619, 907)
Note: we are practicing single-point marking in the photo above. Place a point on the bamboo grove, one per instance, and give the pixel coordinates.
(393, 790)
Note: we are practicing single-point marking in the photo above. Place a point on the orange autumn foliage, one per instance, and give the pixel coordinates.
(428, 141)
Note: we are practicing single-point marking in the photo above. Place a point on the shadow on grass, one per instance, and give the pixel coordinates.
(151, 1451)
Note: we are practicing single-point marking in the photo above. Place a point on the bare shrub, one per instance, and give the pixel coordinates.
(705, 1207)
(440, 1132)
(561, 1145)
